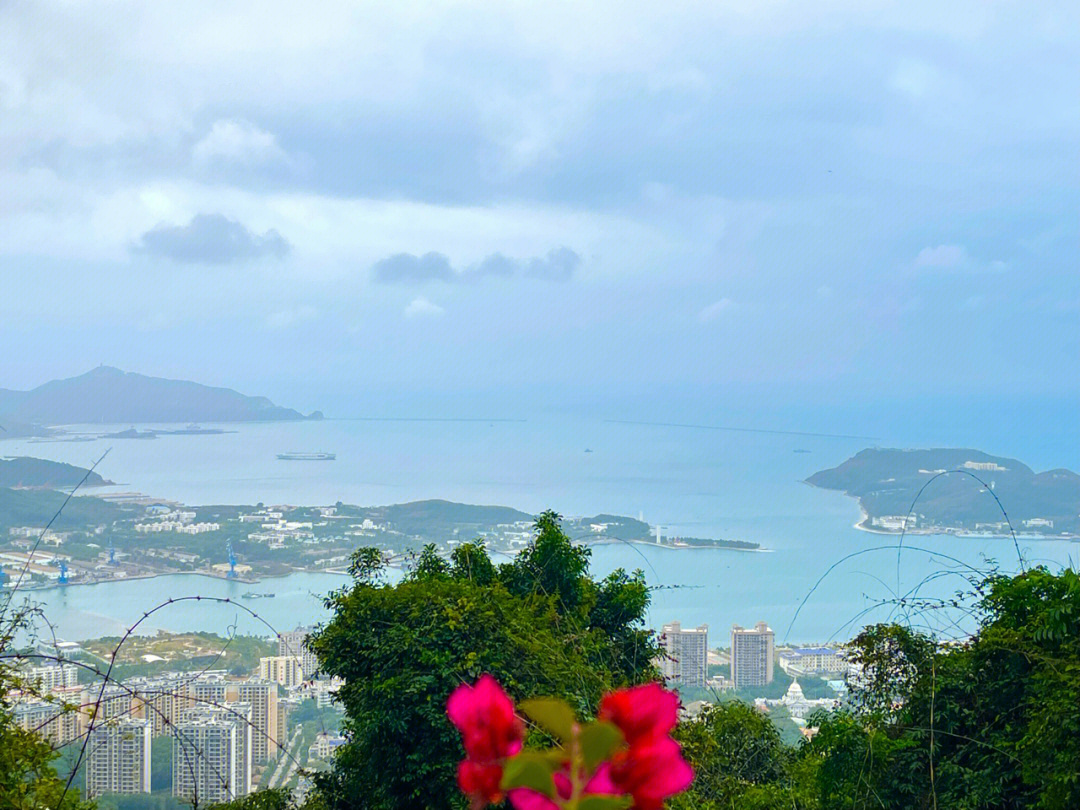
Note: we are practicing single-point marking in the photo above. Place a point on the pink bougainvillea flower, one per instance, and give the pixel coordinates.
(650, 772)
(490, 732)
(480, 780)
(642, 713)
(484, 714)
(526, 799)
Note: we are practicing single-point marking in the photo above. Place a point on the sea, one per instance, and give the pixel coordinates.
(712, 473)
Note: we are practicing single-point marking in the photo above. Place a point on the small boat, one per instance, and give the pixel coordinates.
(256, 596)
(307, 456)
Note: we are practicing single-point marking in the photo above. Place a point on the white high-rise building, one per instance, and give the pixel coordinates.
(263, 697)
(114, 700)
(162, 700)
(52, 676)
(752, 657)
(686, 654)
(239, 714)
(208, 690)
(207, 764)
(294, 644)
(282, 669)
(53, 721)
(118, 758)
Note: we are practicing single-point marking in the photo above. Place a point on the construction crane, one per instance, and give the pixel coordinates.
(112, 554)
(63, 580)
(232, 560)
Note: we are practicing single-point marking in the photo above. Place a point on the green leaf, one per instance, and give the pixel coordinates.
(604, 802)
(598, 742)
(529, 770)
(552, 715)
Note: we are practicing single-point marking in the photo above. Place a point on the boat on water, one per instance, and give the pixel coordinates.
(307, 456)
(256, 596)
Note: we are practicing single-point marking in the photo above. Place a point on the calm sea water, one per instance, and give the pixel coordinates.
(694, 482)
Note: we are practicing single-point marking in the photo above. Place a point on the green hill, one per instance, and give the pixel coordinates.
(886, 482)
(38, 473)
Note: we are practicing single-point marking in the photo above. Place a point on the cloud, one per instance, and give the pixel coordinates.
(420, 307)
(943, 256)
(409, 269)
(497, 265)
(558, 264)
(239, 142)
(211, 239)
(715, 310)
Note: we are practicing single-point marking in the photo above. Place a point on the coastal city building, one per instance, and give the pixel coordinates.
(50, 677)
(685, 655)
(294, 643)
(798, 706)
(262, 695)
(752, 656)
(325, 745)
(817, 661)
(206, 761)
(118, 758)
(54, 721)
(282, 669)
(161, 700)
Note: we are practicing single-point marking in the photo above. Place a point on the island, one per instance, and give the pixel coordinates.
(960, 496)
(107, 395)
(118, 535)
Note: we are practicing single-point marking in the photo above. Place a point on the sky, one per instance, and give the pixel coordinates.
(324, 201)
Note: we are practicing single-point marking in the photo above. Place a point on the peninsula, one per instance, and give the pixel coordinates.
(960, 499)
(125, 535)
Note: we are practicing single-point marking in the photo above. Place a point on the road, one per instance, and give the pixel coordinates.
(286, 764)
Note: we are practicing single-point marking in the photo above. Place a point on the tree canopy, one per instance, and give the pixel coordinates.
(540, 624)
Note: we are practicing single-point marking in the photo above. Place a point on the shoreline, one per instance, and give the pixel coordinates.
(601, 541)
(862, 525)
(338, 572)
(139, 577)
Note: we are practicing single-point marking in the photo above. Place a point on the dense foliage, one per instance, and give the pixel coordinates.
(28, 778)
(539, 624)
(991, 723)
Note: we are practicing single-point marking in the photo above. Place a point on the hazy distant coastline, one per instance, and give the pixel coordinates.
(107, 395)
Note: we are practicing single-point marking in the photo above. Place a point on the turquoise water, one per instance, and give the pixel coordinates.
(695, 482)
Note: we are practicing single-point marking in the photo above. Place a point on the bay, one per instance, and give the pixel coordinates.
(693, 482)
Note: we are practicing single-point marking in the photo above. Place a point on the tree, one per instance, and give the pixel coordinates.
(271, 799)
(28, 778)
(993, 722)
(539, 624)
(739, 760)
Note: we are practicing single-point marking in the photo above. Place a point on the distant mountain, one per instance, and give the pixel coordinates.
(38, 473)
(886, 482)
(109, 395)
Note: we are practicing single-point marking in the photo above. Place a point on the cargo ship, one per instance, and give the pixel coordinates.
(307, 456)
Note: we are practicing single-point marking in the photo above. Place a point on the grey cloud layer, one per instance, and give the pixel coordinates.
(558, 264)
(211, 239)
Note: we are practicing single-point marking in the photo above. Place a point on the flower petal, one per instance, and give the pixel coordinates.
(641, 712)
